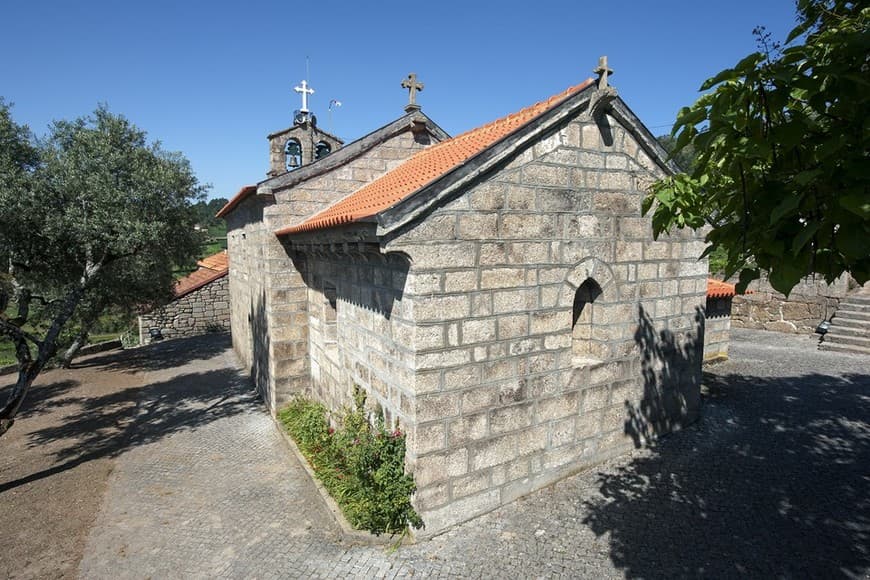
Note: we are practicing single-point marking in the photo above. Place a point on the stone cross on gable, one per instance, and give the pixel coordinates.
(602, 71)
(413, 86)
(305, 90)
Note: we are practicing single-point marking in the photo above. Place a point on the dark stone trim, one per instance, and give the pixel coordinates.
(415, 205)
(626, 117)
(357, 238)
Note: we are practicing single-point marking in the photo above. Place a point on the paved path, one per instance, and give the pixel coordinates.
(771, 482)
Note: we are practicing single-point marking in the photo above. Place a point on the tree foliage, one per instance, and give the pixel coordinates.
(89, 216)
(206, 210)
(782, 141)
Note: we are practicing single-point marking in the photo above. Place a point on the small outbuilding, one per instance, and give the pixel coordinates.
(201, 304)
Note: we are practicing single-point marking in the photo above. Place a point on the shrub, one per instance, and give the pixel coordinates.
(361, 465)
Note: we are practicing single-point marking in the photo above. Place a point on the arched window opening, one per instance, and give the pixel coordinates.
(322, 149)
(585, 344)
(293, 154)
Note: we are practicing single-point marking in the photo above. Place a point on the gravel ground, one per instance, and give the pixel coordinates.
(771, 482)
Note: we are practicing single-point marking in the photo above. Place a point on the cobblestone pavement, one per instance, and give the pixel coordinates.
(771, 482)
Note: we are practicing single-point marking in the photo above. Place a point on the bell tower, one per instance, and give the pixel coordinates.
(302, 143)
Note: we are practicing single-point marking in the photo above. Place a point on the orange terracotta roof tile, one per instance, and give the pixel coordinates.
(219, 262)
(425, 167)
(210, 269)
(241, 196)
(719, 289)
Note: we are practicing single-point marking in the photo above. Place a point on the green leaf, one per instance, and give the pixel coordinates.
(857, 203)
(785, 275)
(646, 204)
(786, 206)
(804, 236)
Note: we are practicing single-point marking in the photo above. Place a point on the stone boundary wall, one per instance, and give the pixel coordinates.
(811, 301)
(717, 328)
(206, 309)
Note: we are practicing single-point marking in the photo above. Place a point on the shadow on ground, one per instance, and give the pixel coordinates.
(773, 481)
(106, 425)
(160, 355)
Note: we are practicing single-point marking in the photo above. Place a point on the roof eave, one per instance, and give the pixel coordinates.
(205, 282)
(418, 203)
(415, 205)
(241, 196)
(353, 150)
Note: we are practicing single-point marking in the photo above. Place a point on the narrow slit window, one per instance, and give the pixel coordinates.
(586, 348)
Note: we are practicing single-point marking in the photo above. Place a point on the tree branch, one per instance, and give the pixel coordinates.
(15, 332)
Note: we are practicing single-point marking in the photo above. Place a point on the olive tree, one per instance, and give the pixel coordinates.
(82, 212)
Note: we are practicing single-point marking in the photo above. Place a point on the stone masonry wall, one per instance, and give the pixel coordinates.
(360, 333)
(717, 328)
(508, 396)
(269, 296)
(246, 239)
(204, 310)
(809, 303)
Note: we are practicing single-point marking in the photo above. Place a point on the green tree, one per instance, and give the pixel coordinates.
(206, 210)
(82, 212)
(128, 287)
(782, 168)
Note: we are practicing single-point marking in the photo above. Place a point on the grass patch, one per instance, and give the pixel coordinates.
(362, 466)
(7, 352)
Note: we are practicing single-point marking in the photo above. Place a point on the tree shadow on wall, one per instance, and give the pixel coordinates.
(671, 370)
(772, 482)
(368, 280)
(260, 341)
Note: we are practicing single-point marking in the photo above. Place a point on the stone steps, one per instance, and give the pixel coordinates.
(840, 337)
(849, 314)
(856, 326)
(850, 348)
(850, 326)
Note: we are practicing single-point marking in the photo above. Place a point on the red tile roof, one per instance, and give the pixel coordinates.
(219, 262)
(210, 269)
(425, 167)
(243, 194)
(719, 289)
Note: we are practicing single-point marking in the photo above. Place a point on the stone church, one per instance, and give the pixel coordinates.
(497, 293)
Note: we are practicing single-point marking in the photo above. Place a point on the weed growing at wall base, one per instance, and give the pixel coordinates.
(362, 466)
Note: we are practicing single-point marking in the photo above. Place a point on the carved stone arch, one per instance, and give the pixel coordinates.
(588, 287)
(590, 267)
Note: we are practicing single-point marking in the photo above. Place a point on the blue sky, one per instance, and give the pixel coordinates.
(212, 79)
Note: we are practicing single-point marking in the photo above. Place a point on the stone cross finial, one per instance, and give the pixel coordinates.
(413, 86)
(305, 90)
(602, 71)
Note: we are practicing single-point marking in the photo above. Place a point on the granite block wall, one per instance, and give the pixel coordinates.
(206, 309)
(360, 333)
(810, 302)
(268, 292)
(550, 330)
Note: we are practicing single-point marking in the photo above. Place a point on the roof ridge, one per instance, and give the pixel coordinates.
(428, 165)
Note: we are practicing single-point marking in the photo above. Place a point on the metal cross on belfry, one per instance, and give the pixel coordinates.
(305, 90)
(602, 71)
(413, 86)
